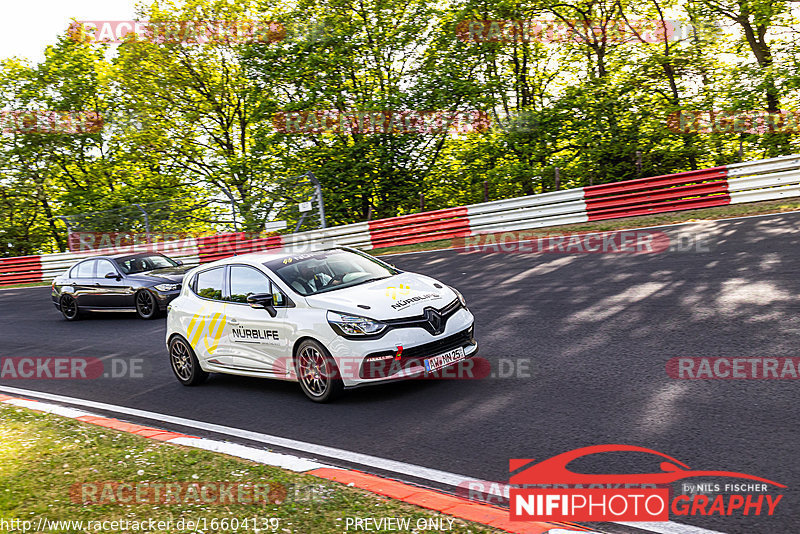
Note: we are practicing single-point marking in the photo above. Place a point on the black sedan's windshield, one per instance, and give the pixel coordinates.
(140, 264)
(317, 272)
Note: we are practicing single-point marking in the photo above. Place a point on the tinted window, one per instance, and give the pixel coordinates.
(84, 270)
(246, 281)
(144, 263)
(209, 283)
(104, 267)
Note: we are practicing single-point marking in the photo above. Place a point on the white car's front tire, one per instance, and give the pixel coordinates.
(317, 372)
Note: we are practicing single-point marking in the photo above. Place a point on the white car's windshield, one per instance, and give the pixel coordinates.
(328, 270)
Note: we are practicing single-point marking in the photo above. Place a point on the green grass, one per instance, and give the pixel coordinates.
(32, 284)
(42, 456)
(720, 212)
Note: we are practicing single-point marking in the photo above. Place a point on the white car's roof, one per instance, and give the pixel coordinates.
(264, 257)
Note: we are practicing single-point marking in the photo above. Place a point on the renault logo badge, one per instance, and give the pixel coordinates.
(434, 319)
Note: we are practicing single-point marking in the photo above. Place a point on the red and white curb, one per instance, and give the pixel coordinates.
(485, 514)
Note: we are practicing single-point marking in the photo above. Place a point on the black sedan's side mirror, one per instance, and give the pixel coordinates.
(115, 276)
(262, 301)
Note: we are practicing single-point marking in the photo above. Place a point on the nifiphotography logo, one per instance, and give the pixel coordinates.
(561, 494)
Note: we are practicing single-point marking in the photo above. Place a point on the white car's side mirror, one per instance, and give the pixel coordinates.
(262, 301)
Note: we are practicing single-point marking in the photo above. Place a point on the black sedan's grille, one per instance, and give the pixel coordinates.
(383, 364)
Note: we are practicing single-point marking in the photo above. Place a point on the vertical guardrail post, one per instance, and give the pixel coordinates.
(69, 229)
(146, 222)
(320, 201)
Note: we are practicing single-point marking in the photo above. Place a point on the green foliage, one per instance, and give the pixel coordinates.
(190, 129)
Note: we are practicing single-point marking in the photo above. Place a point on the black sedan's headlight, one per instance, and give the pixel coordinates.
(167, 287)
(354, 325)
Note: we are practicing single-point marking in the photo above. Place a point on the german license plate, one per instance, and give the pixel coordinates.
(443, 360)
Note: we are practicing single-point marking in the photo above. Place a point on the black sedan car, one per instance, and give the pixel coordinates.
(144, 283)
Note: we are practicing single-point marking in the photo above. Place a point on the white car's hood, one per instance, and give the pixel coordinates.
(402, 295)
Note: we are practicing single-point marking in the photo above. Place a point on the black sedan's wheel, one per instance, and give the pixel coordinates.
(317, 372)
(146, 306)
(184, 363)
(69, 308)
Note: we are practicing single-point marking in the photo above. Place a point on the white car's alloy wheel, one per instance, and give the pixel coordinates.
(184, 363)
(317, 372)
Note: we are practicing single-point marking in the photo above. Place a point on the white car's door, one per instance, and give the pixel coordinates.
(257, 341)
(205, 323)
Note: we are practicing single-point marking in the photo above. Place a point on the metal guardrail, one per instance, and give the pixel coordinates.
(763, 166)
(764, 180)
(352, 235)
(657, 194)
(546, 209)
(751, 181)
(18, 270)
(419, 228)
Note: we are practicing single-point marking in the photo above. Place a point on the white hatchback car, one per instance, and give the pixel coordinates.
(330, 320)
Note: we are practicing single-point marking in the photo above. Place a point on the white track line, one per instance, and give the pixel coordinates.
(63, 411)
(393, 466)
(277, 459)
(285, 461)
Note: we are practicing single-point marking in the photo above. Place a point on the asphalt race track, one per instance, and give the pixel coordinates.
(595, 330)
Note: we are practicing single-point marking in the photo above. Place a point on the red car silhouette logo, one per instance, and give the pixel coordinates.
(554, 470)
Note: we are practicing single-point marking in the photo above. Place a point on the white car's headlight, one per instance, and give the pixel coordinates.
(461, 298)
(353, 325)
(167, 287)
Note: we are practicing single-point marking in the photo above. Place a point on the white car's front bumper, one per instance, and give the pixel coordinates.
(417, 344)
